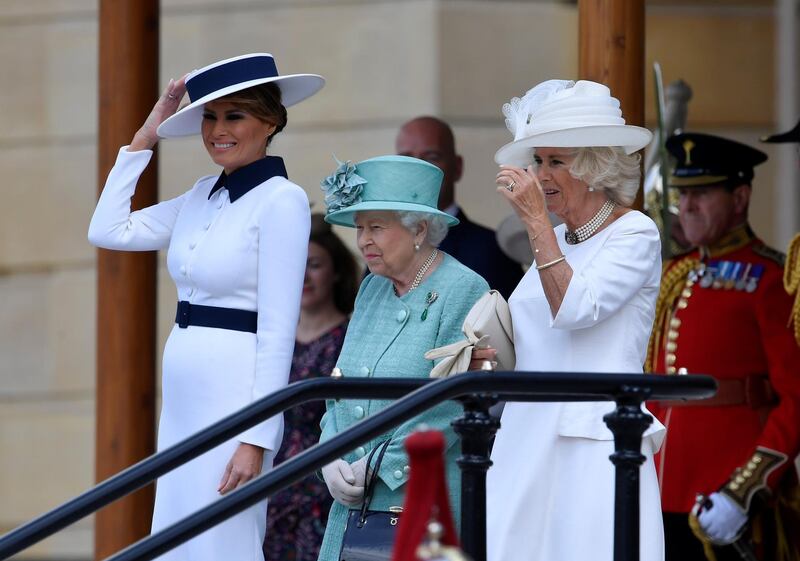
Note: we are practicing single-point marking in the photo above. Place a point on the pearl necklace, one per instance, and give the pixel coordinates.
(422, 271)
(584, 232)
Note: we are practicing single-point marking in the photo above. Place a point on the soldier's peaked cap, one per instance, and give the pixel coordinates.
(705, 159)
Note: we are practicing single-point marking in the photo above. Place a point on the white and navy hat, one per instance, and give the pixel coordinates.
(232, 75)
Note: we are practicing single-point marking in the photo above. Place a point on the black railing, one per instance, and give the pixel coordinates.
(627, 390)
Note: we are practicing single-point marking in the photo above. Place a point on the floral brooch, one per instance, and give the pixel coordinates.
(343, 187)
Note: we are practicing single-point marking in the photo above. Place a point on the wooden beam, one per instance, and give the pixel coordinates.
(611, 51)
(126, 289)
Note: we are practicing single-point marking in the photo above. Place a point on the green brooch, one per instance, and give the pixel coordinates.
(430, 298)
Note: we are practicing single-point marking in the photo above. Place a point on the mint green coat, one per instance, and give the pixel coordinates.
(386, 338)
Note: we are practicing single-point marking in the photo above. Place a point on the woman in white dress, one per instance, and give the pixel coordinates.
(237, 245)
(587, 305)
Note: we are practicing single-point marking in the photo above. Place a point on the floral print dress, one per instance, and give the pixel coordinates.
(297, 516)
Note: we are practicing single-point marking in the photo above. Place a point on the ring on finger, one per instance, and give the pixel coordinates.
(510, 186)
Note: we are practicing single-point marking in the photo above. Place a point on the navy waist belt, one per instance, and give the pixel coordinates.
(213, 316)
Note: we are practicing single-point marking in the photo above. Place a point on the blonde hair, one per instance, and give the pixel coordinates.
(610, 169)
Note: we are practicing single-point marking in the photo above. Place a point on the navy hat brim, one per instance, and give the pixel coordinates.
(229, 76)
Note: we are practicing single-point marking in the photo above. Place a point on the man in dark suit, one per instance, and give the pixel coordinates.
(431, 139)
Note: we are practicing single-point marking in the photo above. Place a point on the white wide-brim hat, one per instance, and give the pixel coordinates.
(232, 75)
(566, 114)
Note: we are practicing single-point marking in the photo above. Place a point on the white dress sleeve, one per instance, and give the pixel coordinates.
(114, 226)
(619, 269)
(284, 227)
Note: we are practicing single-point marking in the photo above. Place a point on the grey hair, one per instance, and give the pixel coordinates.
(437, 224)
(610, 169)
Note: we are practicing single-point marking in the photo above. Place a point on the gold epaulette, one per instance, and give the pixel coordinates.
(672, 281)
(791, 280)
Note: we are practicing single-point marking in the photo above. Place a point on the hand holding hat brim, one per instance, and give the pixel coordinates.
(165, 107)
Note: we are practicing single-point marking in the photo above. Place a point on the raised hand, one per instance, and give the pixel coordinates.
(522, 189)
(166, 106)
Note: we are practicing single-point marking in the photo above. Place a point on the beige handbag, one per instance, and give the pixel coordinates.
(488, 324)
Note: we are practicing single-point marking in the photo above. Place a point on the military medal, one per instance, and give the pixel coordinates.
(430, 298)
(697, 273)
(708, 274)
(742, 282)
(755, 276)
(734, 271)
(724, 269)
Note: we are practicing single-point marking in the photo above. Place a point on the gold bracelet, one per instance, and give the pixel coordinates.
(533, 238)
(551, 263)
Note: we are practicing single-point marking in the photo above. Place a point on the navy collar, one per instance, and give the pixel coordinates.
(252, 175)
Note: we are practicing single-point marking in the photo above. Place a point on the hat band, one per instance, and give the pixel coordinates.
(697, 180)
(230, 74)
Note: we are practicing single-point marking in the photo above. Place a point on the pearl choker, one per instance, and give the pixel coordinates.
(584, 232)
(422, 270)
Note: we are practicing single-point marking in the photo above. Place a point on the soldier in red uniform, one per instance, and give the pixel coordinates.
(722, 310)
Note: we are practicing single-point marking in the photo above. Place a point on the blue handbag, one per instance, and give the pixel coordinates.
(369, 534)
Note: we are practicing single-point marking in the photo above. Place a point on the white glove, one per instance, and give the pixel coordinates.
(359, 468)
(341, 482)
(723, 521)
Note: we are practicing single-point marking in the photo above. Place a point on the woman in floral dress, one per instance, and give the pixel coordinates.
(297, 516)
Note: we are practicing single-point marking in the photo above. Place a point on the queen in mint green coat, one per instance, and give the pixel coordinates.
(415, 299)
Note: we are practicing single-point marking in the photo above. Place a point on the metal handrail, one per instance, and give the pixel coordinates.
(509, 386)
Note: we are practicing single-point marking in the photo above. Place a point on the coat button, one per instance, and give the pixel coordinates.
(398, 474)
(364, 371)
(183, 269)
(192, 245)
(360, 452)
(207, 225)
(191, 291)
(358, 411)
(401, 316)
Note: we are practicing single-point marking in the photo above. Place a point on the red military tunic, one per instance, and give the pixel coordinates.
(723, 311)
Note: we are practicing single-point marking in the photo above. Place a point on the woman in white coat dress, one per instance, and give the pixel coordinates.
(587, 305)
(237, 245)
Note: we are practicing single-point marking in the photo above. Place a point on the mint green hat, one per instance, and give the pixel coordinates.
(383, 183)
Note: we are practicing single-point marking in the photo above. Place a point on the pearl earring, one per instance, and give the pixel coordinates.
(416, 247)
(591, 189)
